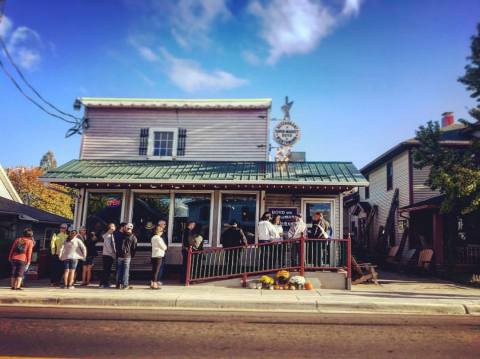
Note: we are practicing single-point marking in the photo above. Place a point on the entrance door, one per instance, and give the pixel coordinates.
(324, 206)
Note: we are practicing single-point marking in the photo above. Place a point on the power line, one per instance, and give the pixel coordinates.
(22, 76)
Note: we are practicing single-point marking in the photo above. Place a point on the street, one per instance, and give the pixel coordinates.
(123, 333)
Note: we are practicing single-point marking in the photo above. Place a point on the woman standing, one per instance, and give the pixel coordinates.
(158, 252)
(20, 256)
(72, 250)
(90, 244)
(82, 235)
(277, 224)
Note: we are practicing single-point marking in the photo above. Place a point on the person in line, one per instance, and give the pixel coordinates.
(27, 266)
(319, 230)
(187, 242)
(82, 235)
(266, 234)
(280, 248)
(20, 256)
(108, 255)
(158, 252)
(233, 237)
(91, 245)
(71, 252)
(297, 230)
(56, 266)
(163, 225)
(126, 247)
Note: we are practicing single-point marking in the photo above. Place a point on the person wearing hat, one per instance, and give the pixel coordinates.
(56, 242)
(297, 230)
(233, 238)
(126, 247)
(71, 252)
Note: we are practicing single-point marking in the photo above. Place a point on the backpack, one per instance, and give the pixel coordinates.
(20, 247)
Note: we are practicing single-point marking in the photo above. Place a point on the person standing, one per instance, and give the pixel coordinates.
(126, 247)
(20, 256)
(91, 245)
(82, 235)
(233, 238)
(280, 248)
(187, 242)
(163, 224)
(321, 249)
(158, 252)
(297, 230)
(56, 266)
(266, 234)
(71, 252)
(108, 255)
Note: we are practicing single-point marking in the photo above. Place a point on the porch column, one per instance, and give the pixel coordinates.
(437, 236)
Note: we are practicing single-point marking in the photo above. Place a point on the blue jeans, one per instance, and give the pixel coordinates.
(123, 271)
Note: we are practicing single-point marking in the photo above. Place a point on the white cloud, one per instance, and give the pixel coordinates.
(251, 58)
(297, 26)
(144, 51)
(191, 77)
(23, 43)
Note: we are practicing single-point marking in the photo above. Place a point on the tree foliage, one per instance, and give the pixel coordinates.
(48, 161)
(54, 199)
(454, 172)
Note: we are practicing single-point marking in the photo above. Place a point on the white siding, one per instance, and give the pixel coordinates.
(223, 135)
(381, 197)
(421, 191)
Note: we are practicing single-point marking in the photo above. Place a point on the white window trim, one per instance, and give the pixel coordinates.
(151, 139)
(219, 224)
(330, 200)
(88, 191)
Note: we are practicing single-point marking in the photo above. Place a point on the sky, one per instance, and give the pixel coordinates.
(363, 74)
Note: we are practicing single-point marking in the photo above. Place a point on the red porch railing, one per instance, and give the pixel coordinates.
(295, 255)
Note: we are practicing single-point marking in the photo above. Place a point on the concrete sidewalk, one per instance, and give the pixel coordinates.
(394, 296)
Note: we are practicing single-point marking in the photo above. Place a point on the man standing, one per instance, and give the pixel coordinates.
(233, 238)
(126, 248)
(108, 255)
(319, 230)
(297, 230)
(56, 266)
(266, 234)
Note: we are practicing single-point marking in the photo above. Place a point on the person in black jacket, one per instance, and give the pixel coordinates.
(232, 239)
(187, 242)
(126, 246)
(90, 243)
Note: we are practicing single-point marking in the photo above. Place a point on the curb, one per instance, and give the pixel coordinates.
(274, 305)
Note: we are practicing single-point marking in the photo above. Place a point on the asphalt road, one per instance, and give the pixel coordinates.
(119, 333)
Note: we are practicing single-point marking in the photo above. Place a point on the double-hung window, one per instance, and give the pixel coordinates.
(162, 143)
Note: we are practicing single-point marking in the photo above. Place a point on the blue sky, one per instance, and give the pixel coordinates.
(363, 74)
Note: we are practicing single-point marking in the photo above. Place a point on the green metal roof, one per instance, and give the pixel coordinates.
(103, 171)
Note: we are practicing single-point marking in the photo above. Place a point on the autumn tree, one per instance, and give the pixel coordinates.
(54, 198)
(455, 172)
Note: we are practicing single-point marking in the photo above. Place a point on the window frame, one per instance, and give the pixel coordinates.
(389, 179)
(123, 192)
(333, 215)
(151, 142)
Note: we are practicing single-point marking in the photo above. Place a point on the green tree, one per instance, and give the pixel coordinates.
(48, 161)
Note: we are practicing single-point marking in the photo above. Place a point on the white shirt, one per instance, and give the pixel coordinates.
(278, 232)
(266, 231)
(73, 249)
(158, 246)
(297, 230)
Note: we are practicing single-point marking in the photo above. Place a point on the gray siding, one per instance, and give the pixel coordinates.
(381, 197)
(421, 191)
(223, 135)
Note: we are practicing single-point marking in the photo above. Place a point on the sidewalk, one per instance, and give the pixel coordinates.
(395, 295)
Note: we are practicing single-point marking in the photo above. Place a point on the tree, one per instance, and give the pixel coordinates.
(48, 161)
(54, 198)
(455, 172)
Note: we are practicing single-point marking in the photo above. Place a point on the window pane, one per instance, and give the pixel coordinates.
(148, 209)
(242, 208)
(163, 144)
(325, 208)
(103, 208)
(191, 207)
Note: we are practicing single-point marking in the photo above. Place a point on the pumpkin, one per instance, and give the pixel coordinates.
(308, 286)
(276, 286)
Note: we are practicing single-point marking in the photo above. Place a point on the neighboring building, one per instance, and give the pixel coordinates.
(417, 207)
(142, 160)
(6, 188)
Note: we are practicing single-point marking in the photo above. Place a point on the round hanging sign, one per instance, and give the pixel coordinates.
(286, 133)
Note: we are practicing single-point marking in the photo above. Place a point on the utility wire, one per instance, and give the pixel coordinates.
(22, 76)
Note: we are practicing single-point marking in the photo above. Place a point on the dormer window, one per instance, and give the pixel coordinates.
(162, 143)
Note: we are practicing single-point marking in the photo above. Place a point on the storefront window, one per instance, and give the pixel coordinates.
(191, 207)
(148, 209)
(326, 208)
(243, 208)
(103, 208)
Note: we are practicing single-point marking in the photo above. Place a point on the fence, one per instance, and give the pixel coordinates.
(294, 255)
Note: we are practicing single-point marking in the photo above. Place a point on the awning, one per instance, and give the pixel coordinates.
(431, 203)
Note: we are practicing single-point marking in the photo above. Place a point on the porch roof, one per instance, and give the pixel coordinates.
(430, 203)
(207, 172)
